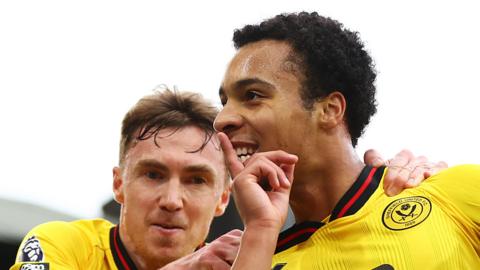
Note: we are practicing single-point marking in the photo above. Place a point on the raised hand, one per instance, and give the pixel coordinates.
(261, 188)
(273, 170)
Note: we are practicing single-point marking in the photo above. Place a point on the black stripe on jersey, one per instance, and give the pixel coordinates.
(355, 197)
(296, 234)
(119, 253)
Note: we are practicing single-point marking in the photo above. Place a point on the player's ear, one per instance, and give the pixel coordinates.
(330, 110)
(118, 185)
(222, 202)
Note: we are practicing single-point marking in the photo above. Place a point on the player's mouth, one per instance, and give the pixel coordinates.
(168, 228)
(245, 151)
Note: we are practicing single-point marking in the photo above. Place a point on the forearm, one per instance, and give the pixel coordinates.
(256, 248)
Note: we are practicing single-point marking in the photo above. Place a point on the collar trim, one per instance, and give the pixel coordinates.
(119, 252)
(297, 234)
(359, 193)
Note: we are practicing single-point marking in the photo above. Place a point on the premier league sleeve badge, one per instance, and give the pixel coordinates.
(31, 251)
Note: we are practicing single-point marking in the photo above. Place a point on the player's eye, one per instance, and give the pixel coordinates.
(153, 175)
(252, 95)
(198, 180)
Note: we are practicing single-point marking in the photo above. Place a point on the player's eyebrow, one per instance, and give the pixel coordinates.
(200, 168)
(151, 163)
(194, 168)
(250, 81)
(244, 83)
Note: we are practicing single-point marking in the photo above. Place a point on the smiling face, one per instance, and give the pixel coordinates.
(263, 109)
(169, 194)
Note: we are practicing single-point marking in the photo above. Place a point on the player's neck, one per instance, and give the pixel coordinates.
(320, 182)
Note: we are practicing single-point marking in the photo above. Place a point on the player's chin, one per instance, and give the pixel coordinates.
(172, 253)
(169, 245)
(164, 255)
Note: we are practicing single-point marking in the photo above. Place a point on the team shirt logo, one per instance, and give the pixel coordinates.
(406, 213)
(32, 251)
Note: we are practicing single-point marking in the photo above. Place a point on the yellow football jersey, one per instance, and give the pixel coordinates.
(83, 244)
(433, 226)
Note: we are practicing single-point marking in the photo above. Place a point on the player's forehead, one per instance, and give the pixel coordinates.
(185, 147)
(262, 61)
(263, 51)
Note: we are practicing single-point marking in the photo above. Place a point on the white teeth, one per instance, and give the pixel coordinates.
(244, 151)
(244, 158)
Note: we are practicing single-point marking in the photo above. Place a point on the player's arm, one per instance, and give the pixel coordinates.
(404, 170)
(263, 212)
(51, 245)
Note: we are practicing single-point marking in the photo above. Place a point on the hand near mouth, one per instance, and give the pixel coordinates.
(280, 159)
(263, 212)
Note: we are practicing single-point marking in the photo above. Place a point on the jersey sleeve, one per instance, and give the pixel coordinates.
(54, 245)
(461, 184)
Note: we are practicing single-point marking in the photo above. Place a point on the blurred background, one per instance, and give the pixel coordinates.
(69, 71)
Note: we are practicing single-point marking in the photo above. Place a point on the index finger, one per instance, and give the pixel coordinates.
(234, 165)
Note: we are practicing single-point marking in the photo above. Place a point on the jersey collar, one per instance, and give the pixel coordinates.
(355, 197)
(119, 252)
(359, 193)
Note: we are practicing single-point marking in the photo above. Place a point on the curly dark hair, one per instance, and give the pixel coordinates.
(331, 57)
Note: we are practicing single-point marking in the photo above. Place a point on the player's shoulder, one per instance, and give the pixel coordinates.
(72, 227)
(456, 181)
(91, 225)
(63, 237)
(52, 228)
(465, 171)
(85, 232)
(464, 168)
